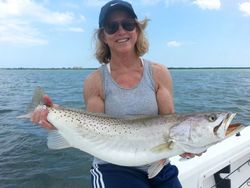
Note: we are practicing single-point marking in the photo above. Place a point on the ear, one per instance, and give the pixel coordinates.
(103, 37)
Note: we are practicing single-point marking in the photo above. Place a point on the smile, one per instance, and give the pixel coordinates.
(122, 40)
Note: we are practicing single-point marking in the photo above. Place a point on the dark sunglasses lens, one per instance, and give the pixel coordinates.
(128, 25)
(111, 28)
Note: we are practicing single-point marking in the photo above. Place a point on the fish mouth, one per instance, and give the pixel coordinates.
(234, 128)
(227, 129)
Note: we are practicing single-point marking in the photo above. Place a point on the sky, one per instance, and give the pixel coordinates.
(181, 33)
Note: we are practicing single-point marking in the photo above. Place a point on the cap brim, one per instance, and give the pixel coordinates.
(114, 8)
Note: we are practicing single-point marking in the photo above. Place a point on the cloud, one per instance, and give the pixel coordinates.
(19, 32)
(208, 4)
(82, 18)
(166, 2)
(245, 8)
(69, 29)
(174, 44)
(19, 20)
(56, 17)
(99, 3)
(32, 10)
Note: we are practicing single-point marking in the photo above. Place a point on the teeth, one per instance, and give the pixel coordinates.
(122, 40)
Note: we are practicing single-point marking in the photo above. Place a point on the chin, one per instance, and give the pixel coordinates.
(124, 49)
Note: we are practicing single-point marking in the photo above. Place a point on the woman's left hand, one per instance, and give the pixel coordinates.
(190, 155)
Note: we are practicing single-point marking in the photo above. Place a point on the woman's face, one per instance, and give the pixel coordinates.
(120, 32)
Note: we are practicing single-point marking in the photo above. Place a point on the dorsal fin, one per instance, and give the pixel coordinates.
(37, 99)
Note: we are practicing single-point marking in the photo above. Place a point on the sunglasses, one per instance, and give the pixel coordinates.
(112, 27)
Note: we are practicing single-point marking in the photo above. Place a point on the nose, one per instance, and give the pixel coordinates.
(121, 30)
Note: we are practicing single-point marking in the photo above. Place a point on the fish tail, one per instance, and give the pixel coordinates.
(26, 116)
(37, 100)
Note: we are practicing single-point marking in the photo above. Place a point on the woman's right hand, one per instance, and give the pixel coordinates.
(39, 115)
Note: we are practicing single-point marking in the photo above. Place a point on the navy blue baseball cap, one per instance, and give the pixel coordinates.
(113, 5)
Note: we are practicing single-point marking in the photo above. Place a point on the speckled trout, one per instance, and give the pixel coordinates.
(135, 141)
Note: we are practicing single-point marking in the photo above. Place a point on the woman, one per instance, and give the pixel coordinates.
(125, 85)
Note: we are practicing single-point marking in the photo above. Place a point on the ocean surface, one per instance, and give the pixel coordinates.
(25, 160)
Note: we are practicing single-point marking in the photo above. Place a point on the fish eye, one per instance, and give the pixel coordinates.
(212, 118)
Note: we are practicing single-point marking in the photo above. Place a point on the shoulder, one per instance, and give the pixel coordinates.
(93, 92)
(160, 73)
(94, 77)
(164, 88)
(93, 83)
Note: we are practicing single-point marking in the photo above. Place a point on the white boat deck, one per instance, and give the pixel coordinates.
(232, 155)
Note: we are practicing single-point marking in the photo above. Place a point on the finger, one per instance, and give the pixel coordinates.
(44, 114)
(187, 155)
(163, 161)
(47, 125)
(184, 155)
(191, 155)
(36, 115)
(200, 154)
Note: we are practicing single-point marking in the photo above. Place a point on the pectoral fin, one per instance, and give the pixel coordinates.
(56, 141)
(162, 147)
(156, 167)
(191, 149)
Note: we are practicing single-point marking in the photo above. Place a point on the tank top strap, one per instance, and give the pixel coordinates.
(148, 73)
(104, 71)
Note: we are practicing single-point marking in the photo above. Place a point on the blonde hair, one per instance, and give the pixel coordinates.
(102, 52)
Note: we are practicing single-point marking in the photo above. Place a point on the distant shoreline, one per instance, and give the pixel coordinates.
(48, 68)
(173, 68)
(208, 67)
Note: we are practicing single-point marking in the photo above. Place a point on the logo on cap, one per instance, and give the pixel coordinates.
(113, 4)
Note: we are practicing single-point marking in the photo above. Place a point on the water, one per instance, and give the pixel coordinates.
(25, 160)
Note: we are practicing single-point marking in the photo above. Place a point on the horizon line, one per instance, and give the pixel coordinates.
(93, 68)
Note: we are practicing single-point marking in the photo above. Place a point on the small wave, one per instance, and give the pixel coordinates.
(2, 111)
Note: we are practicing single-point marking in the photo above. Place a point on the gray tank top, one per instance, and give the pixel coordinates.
(139, 100)
(121, 102)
